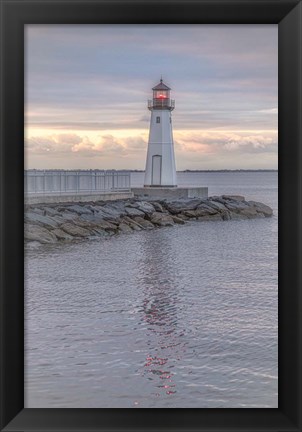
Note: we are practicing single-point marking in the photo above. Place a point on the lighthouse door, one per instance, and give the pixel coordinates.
(156, 170)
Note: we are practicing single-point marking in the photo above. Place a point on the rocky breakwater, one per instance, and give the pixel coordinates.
(52, 223)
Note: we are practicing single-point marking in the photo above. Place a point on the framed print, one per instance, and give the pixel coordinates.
(113, 302)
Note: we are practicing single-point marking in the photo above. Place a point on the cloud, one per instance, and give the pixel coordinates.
(194, 150)
(109, 145)
(256, 142)
(136, 143)
(220, 143)
(61, 143)
(269, 111)
(77, 75)
(83, 146)
(73, 145)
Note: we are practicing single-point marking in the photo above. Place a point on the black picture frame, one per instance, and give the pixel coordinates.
(14, 15)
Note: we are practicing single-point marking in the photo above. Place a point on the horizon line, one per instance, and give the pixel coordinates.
(139, 170)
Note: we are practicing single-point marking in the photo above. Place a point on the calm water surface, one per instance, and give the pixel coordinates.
(183, 316)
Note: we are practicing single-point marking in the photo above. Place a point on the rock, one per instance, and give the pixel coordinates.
(181, 205)
(162, 219)
(96, 224)
(96, 210)
(250, 212)
(236, 206)
(143, 206)
(262, 208)
(226, 215)
(91, 207)
(135, 227)
(114, 222)
(68, 216)
(157, 206)
(144, 222)
(237, 216)
(190, 213)
(133, 224)
(182, 216)
(215, 217)
(107, 226)
(178, 220)
(206, 209)
(134, 212)
(44, 221)
(79, 209)
(38, 211)
(201, 210)
(75, 230)
(49, 211)
(233, 197)
(112, 212)
(92, 218)
(102, 233)
(98, 219)
(38, 233)
(99, 203)
(84, 224)
(59, 219)
(111, 215)
(124, 228)
(115, 208)
(61, 235)
(216, 205)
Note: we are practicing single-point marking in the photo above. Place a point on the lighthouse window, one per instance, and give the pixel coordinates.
(157, 119)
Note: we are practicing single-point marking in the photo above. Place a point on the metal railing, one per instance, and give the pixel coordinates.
(60, 182)
(168, 104)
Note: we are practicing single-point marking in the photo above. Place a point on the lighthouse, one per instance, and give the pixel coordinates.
(160, 164)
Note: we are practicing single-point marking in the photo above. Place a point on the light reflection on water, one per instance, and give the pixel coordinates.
(176, 317)
(161, 308)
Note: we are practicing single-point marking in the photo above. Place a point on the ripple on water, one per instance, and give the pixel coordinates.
(177, 317)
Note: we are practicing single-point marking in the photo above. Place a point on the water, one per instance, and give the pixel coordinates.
(183, 316)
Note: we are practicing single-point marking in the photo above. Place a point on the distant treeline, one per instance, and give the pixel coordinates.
(220, 170)
(234, 170)
(130, 170)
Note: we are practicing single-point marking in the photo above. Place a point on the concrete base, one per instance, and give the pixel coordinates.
(170, 192)
(54, 199)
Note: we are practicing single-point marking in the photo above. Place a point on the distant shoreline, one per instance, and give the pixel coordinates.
(219, 170)
(140, 171)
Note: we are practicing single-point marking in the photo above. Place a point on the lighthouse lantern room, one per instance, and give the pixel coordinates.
(160, 164)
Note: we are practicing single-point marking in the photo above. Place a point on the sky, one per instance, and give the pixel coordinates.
(87, 87)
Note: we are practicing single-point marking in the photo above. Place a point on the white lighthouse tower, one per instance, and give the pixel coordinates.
(160, 164)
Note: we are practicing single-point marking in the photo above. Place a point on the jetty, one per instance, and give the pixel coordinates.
(63, 222)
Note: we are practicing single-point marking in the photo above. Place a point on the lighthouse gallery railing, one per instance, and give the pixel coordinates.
(161, 104)
(60, 182)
